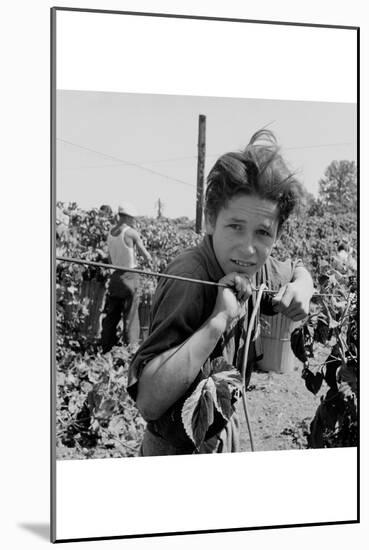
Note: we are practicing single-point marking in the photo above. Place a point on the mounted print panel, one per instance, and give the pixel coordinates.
(204, 199)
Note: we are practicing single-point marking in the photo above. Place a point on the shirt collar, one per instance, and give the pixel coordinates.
(213, 267)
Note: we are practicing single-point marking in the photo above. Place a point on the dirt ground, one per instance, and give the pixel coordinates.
(280, 410)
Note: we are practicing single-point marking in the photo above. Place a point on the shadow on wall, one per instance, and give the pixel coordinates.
(40, 529)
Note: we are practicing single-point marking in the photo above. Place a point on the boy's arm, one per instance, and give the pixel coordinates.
(169, 375)
(293, 299)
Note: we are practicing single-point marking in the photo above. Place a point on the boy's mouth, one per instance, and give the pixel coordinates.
(242, 263)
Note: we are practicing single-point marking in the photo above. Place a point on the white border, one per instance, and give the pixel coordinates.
(176, 494)
(198, 493)
(143, 54)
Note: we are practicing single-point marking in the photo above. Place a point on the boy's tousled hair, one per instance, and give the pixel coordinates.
(257, 170)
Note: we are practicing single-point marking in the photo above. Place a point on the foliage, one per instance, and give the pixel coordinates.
(95, 415)
(314, 238)
(165, 239)
(95, 412)
(333, 323)
(337, 189)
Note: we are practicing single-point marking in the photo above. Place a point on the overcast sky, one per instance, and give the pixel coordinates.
(114, 147)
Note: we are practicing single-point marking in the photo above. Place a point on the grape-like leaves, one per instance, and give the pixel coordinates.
(198, 411)
(313, 382)
(215, 392)
(224, 398)
(322, 332)
(298, 344)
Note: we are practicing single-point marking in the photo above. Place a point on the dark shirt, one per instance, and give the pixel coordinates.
(179, 309)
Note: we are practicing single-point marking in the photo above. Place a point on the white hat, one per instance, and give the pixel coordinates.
(128, 209)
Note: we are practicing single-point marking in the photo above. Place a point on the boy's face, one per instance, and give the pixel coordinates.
(244, 233)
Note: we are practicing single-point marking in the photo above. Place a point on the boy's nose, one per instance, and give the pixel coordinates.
(248, 247)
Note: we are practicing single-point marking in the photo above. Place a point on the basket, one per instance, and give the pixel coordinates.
(276, 340)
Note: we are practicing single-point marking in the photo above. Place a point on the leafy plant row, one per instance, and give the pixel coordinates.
(95, 414)
(333, 323)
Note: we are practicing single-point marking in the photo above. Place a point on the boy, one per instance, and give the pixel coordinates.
(248, 198)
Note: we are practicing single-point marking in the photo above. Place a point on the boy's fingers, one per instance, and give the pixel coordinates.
(244, 288)
(240, 285)
(276, 300)
(237, 287)
(286, 302)
(295, 313)
(237, 282)
(282, 299)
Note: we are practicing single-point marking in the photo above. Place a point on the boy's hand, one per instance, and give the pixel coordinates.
(293, 301)
(229, 302)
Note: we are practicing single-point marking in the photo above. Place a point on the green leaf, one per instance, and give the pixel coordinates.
(224, 399)
(322, 331)
(214, 392)
(221, 370)
(94, 399)
(60, 379)
(313, 382)
(333, 323)
(198, 411)
(298, 344)
(232, 377)
(117, 426)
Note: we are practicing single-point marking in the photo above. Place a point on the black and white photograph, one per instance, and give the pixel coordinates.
(205, 255)
(235, 326)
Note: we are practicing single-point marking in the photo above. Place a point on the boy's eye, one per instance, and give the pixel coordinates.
(264, 232)
(235, 226)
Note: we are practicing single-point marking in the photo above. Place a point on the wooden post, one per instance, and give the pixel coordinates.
(200, 173)
(160, 208)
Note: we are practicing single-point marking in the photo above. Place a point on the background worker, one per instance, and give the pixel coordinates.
(122, 299)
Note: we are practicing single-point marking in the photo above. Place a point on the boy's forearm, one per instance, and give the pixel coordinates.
(168, 376)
